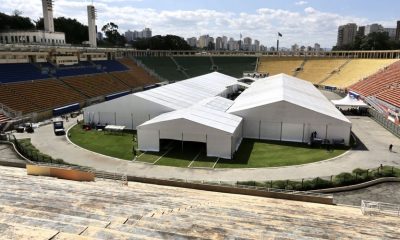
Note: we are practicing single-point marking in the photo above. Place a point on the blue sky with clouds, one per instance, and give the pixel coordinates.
(304, 22)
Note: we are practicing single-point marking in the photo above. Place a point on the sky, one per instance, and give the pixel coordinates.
(304, 22)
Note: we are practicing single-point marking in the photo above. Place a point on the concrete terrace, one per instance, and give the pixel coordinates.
(47, 208)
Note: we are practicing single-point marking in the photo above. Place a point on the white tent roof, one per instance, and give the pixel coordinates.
(188, 92)
(283, 87)
(209, 112)
(349, 101)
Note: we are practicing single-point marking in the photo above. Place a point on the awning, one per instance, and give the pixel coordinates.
(349, 101)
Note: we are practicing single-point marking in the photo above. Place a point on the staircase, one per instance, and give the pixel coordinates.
(334, 71)
(214, 67)
(300, 68)
(179, 67)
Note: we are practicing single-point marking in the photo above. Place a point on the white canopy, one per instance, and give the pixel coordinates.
(349, 101)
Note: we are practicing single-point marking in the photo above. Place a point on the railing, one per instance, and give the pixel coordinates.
(382, 120)
(371, 207)
(9, 112)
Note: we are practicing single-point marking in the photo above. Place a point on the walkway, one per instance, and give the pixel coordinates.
(375, 138)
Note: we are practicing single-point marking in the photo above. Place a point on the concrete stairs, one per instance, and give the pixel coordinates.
(48, 208)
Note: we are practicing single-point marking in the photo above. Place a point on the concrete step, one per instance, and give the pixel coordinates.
(16, 231)
(104, 233)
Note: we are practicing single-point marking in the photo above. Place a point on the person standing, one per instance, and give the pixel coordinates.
(390, 147)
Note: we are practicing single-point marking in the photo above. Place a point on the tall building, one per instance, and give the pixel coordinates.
(218, 43)
(398, 31)
(295, 47)
(132, 36)
(256, 46)
(91, 12)
(192, 41)
(224, 42)
(146, 33)
(247, 43)
(203, 41)
(361, 31)
(48, 15)
(346, 34)
(391, 33)
(373, 28)
(317, 47)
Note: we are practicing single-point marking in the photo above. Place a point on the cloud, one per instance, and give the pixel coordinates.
(302, 27)
(300, 3)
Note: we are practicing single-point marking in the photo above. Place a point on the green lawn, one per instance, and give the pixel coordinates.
(251, 154)
(118, 146)
(204, 161)
(255, 154)
(150, 157)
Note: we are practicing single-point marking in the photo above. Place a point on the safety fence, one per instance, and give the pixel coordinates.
(382, 120)
(371, 208)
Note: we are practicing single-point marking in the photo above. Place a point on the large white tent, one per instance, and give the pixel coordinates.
(286, 108)
(135, 109)
(205, 122)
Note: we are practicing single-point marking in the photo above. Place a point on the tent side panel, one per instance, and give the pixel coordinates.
(219, 146)
(148, 140)
(292, 132)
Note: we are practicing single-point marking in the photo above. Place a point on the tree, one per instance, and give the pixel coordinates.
(15, 22)
(158, 42)
(75, 32)
(112, 34)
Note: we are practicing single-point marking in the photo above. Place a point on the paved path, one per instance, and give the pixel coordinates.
(9, 157)
(375, 138)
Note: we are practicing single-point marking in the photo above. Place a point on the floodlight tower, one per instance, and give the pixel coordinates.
(48, 15)
(91, 11)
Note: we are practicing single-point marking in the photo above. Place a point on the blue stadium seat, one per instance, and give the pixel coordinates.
(111, 66)
(19, 72)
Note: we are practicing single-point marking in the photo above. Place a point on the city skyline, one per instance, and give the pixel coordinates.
(301, 22)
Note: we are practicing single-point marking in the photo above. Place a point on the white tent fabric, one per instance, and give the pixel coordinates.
(204, 122)
(286, 108)
(349, 101)
(134, 109)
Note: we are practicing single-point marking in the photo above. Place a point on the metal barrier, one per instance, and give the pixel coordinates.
(382, 120)
(371, 207)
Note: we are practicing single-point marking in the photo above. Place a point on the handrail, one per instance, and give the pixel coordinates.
(368, 207)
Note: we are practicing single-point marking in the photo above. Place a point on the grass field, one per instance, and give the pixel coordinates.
(251, 154)
(256, 153)
(118, 146)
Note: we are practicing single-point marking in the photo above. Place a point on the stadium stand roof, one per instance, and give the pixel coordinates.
(283, 87)
(186, 93)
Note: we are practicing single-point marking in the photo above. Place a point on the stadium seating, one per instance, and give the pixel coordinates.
(384, 85)
(15, 100)
(48, 208)
(3, 118)
(276, 65)
(96, 85)
(356, 70)
(235, 66)
(163, 66)
(135, 76)
(111, 65)
(195, 66)
(18, 72)
(46, 94)
(76, 70)
(316, 70)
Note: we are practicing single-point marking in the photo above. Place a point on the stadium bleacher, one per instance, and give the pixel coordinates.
(355, 70)
(111, 65)
(235, 66)
(163, 66)
(3, 118)
(135, 76)
(38, 95)
(195, 66)
(384, 85)
(95, 85)
(19, 72)
(316, 70)
(48, 208)
(276, 65)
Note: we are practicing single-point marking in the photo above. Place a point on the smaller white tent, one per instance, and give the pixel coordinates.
(206, 122)
(349, 101)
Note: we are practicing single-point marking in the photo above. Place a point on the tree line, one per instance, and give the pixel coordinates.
(372, 41)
